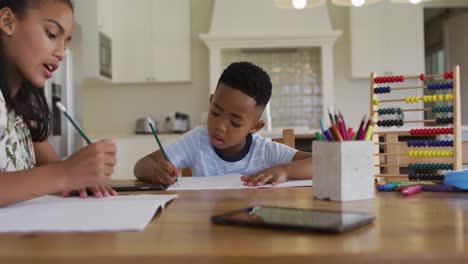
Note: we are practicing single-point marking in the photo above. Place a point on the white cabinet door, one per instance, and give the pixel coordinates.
(387, 38)
(132, 41)
(171, 40)
(105, 11)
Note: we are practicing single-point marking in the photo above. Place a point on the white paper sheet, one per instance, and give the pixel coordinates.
(58, 214)
(229, 181)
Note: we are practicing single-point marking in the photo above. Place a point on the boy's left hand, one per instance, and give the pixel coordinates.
(273, 175)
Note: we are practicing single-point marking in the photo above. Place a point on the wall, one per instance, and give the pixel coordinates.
(113, 109)
(456, 43)
(351, 95)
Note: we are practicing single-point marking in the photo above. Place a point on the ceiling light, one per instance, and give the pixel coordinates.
(300, 4)
(292, 3)
(358, 2)
(415, 2)
(353, 2)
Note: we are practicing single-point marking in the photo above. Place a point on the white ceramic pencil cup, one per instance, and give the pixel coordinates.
(343, 171)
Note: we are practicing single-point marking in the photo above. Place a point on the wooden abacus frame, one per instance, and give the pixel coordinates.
(395, 154)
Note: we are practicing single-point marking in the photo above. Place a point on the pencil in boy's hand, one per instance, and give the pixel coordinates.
(150, 123)
(77, 127)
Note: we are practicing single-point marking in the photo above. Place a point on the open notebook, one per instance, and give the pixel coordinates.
(229, 181)
(58, 214)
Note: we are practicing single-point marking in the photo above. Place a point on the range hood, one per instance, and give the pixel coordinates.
(245, 24)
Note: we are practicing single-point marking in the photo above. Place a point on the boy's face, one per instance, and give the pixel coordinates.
(232, 115)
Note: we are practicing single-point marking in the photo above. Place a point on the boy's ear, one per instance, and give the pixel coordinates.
(260, 124)
(7, 19)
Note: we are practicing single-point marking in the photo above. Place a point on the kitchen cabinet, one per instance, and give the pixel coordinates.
(132, 41)
(94, 18)
(387, 38)
(152, 42)
(150, 39)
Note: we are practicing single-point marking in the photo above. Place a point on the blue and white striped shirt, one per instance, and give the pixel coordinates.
(194, 150)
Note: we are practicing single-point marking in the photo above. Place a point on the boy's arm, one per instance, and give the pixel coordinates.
(300, 168)
(143, 169)
(155, 169)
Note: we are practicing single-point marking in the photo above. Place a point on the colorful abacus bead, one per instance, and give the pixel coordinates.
(448, 75)
(431, 166)
(381, 90)
(444, 120)
(376, 101)
(422, 77)
(442, 109)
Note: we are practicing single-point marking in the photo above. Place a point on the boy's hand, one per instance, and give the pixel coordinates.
(163, 172)
(273, 175)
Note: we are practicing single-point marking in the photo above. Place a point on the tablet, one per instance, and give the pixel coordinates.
(134, 187)
(294, 218)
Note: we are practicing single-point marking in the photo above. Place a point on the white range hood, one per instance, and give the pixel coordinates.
(261, 24)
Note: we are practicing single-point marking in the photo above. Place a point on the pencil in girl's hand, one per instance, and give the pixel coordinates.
(77, 127)
(150, 123)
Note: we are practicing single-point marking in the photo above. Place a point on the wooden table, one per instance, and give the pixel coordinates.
(424, 228)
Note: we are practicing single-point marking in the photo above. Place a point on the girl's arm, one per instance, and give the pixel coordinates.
(27, 184)
(45, 154)
(91, 166)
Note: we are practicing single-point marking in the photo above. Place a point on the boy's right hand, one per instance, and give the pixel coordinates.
(163, 172)
(93, 165)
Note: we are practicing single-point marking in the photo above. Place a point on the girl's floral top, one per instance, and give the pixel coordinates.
(16, 146)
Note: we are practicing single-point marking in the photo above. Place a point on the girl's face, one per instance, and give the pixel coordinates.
(35, 43)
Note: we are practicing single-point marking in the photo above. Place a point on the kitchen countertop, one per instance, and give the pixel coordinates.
(299, 132)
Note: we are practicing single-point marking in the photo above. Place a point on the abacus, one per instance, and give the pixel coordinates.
(424, 152)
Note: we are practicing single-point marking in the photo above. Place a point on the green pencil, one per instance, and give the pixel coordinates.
(77, 127)
(150, 123)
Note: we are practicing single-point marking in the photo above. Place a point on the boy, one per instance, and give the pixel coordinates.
(228, 143)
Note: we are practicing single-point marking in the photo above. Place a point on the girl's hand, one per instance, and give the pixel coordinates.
(93, 165)
(97, 191)
(273, 175)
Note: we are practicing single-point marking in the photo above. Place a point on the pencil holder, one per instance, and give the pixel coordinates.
(343, 171)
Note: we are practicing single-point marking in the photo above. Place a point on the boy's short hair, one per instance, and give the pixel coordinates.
(249, 79)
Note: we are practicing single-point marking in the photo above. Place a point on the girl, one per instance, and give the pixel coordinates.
(33, 38)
